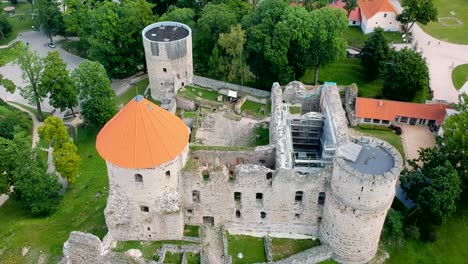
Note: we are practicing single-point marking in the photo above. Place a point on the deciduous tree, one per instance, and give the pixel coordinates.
(350, 5)
(50, 17)
(406, 73)
(421, 11)
(54, 132)
(98, 101)
(375, 54)
(56, 80)
(182, 15)
(5, 26)
(67, 161)
(32, 67)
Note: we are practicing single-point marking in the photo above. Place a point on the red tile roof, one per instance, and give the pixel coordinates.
(355, 14)
(371, 7)
(387, 110)
(142, 135)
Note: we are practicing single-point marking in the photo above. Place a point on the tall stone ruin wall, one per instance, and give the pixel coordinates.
(217, 199)
(217, 85)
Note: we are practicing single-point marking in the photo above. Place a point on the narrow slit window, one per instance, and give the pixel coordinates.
(138, 178)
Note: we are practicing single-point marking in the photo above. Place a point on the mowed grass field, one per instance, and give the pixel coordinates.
(82, 209)
(451, 247)
(449, 29)
(460, 75)
(22, 20)
(345, 72)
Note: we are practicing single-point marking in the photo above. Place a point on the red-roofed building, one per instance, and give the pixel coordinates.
(354, 17)
(378, 13)
(385, 112)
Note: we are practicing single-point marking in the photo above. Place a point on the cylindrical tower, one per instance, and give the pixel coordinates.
(168, 52)
(357, 200)
(145, 148)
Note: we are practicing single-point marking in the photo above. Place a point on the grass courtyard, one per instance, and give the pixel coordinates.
(7, 55)
(460, 76)
(345, 72)
(137, 89)
(450, 28)
(82, 208)
(285, 247)
(357, 39)
(22, 20)
(449, 248)
(147, 248)
(246, 249)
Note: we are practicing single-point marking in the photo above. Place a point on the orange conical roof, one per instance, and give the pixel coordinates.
(142, 135)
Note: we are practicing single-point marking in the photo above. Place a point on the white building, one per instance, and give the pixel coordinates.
(378, 13)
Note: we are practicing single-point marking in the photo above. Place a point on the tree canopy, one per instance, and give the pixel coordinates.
(376, 53)
(56, 80)
(5, 27)
(421, 11)
(98, 101)
(406, 73)
(50, 17)
(32, 67)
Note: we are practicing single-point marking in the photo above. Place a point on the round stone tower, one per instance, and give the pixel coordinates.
(144, 147)
(361, 192)
(168, 51)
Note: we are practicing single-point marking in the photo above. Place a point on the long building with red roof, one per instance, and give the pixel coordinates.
(385, 112)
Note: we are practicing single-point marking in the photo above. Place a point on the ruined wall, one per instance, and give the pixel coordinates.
(277, 189)
(351, 93)
(309, 256)
(263, 155)
(216, 85)
(279, 130)
(158, 191)
(170, 65)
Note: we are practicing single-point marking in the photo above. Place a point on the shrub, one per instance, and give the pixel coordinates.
(5, 26)
(9, 124)
(412, 232)
(374, 127)
(397, 129)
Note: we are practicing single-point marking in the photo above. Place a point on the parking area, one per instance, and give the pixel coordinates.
(416, 137)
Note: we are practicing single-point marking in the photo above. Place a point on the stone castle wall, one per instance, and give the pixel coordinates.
(283, 214)
(217, 85)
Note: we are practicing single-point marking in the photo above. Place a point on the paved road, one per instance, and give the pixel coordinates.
(441, 58)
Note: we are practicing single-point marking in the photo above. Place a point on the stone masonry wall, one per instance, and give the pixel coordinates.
(216, 198)
(216, 85)
(310, 256)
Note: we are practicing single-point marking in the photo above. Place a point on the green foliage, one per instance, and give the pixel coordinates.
(412, 232)
(182, 15)
(50, 17)
(393, 227)
(460, 76)
(192, 231)
(193, 258)
(375, 53)
(256, 109)
(421, 11)
(54, 132)
(67, 161)
(56, 80)
(405, 75)
(98, 101)
(32, 67)
(350, 5)
(8, 84)
(252, 249)
(173, 258)
(147, 248)
(374, 127)
(262, 136)
(11, 123)
(5, 26)
(455, 140)
(22, 167)
(230, 65)
(285, 247)
(435, 187)
(112, 31)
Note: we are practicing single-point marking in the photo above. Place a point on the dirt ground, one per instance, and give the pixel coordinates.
(416, 137)
(217, 130)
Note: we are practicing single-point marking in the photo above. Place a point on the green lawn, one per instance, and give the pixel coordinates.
(33, 110)
(285, 247)
(7, 55)
(82, 208)
(6, 110)
(345, 72)
(192, 92)
(252, 249)
(451, 247)
(357, 39)
(452, 31)
(388, 136)
(21, 21)
(460, 75)
(75, 47)
(147, 248)
(172, 258)
(294, 110)
(192, 231)
(262, 136)
(193, 258)
(137, 89)
(256, 109)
